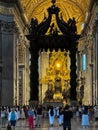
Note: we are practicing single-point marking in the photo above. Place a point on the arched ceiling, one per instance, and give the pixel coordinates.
(68, 8)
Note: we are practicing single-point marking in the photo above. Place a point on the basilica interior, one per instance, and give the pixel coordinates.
(48, 52)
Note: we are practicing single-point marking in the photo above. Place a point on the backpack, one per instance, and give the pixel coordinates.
(9, 127)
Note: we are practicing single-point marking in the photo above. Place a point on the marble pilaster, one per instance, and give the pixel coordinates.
(96, 58)
(44, 64)
(8, 34)
(10, 29)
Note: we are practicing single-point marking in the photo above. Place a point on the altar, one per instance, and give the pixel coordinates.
(55, 84)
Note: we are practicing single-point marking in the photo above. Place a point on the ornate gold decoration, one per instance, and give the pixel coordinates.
(69, 9)
(57, 75)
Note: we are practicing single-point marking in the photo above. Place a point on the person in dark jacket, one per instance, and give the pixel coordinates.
(67, 115)
(39, 113)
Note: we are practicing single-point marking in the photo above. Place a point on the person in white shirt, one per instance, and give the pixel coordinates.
(51, 114)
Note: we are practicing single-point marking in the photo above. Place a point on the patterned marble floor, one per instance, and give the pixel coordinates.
(76, 125)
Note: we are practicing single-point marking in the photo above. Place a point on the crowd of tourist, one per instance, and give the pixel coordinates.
(34, 115)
